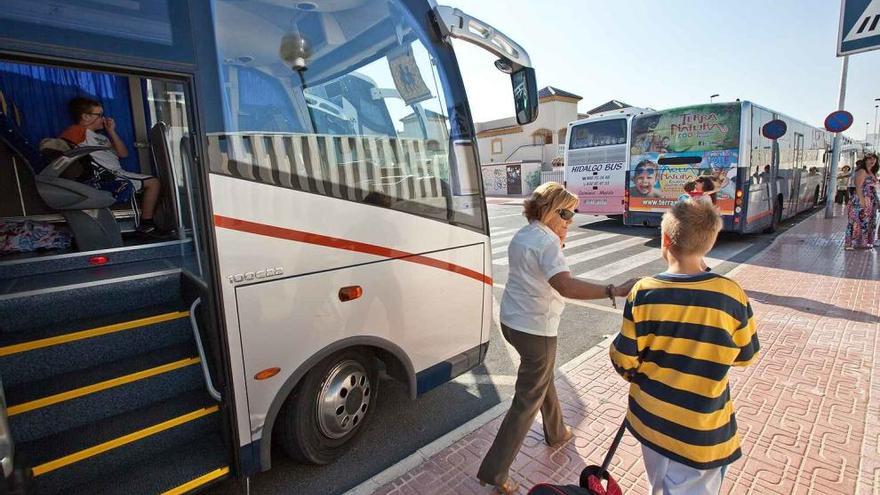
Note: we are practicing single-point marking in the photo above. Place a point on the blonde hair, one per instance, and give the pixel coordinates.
(692, 227)
(549, 196)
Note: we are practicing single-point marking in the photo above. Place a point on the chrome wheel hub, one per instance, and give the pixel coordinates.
(344, 399)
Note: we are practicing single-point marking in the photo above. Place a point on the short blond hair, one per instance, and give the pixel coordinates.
(549, 196)
(692, 227)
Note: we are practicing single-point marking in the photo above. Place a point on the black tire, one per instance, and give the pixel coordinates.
(309, 439)
(777, 218)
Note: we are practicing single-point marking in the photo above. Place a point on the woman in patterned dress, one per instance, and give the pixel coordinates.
(861, 211)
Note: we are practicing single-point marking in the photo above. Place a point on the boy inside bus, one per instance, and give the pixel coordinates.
(644, 179)
(88, 119)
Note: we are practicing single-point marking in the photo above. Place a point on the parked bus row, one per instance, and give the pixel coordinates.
(635, 163)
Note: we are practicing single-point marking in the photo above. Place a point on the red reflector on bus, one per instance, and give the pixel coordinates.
(350, 293)
(98, 260)
(267, 373)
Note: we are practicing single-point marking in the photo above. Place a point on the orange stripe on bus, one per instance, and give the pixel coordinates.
(759, 216)
(346, 244)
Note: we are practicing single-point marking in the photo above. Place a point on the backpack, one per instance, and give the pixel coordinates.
(591, 478)
(87, 171)
(590, 484)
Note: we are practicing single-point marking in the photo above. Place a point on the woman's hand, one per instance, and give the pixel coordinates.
(624, 289)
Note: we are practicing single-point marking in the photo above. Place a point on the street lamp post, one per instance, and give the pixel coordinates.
(876, 127)
(712, 97)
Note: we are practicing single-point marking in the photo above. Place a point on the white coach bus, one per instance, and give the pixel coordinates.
(321, 219)
(596, 161)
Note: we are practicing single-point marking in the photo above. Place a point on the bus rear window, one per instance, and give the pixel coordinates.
(602, 133)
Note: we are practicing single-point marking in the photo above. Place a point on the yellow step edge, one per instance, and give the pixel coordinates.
(87, 334)
(67, 460)
(98, 387)
(201, 480)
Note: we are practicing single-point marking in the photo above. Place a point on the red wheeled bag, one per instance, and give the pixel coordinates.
(591, 477)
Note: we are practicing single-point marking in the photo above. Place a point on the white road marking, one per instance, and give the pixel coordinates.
(726, 252)
(630, 262)
(569, 244)
(493, 217)
(499, 232)
(572, 244)
(579, 236)
(602, 251)
(716, 257)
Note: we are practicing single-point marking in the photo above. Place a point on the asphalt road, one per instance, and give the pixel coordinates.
(597, 248)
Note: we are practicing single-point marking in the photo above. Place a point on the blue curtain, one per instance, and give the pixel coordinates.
(41, 95)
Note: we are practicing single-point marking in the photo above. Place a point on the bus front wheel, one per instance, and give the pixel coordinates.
(329, 408)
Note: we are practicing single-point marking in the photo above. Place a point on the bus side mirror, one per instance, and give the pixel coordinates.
(525, 95)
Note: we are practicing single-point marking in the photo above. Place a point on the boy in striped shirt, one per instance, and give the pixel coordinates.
(682, 331)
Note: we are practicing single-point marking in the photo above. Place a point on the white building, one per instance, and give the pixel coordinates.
(513, 156)
(503, 140)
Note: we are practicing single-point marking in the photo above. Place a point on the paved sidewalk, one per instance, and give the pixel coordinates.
(808, 411)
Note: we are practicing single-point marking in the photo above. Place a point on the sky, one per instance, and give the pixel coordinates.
(666, 53)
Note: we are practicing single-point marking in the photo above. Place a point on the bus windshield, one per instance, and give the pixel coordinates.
(359, 88)
(603, 133)
(674, 147)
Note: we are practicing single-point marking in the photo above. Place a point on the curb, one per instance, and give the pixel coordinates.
(742, 264)
(425, 453)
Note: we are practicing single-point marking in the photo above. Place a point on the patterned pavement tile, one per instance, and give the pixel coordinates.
(808, 411)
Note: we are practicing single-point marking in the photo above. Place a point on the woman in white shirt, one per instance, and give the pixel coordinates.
(538, 281)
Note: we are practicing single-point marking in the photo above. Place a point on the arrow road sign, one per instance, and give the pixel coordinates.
(859, 26)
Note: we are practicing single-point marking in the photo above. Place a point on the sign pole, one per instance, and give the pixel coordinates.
(835, 151)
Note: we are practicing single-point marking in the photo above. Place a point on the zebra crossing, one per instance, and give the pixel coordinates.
(601, 256)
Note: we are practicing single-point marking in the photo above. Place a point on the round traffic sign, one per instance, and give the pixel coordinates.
(838, 121)
(774, 129)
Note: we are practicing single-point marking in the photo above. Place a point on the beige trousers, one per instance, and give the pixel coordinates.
(534, 391)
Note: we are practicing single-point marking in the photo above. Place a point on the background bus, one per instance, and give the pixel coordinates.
(761, 182)
(596, 160)
(318, 172)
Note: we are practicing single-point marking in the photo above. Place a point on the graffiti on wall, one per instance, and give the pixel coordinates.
(511, 179)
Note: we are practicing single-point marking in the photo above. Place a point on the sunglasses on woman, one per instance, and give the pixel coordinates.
(565, 214)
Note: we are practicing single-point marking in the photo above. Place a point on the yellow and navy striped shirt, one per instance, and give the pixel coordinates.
(680, 336)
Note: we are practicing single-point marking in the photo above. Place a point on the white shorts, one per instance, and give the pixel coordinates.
(137, 180)
(668, 477)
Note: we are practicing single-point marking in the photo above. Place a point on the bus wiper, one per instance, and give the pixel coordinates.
(680, 160)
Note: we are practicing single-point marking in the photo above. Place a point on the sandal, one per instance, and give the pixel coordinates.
(568, 436)
(509, 487)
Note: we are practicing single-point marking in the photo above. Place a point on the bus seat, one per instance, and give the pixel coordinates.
(85, 208)
(168, 209)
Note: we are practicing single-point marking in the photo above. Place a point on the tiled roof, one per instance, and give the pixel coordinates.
(551, 91)
(608, 106)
